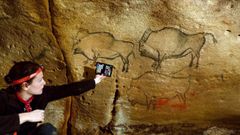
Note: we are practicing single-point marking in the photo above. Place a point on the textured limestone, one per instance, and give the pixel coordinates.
(174, 62)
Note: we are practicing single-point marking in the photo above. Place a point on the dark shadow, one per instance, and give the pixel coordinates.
(232, 121)
(89, 73)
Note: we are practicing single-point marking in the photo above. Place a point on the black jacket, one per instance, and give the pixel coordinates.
(10, 106)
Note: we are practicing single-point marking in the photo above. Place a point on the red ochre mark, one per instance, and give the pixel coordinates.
(179, 106)
(161, 102)
(193, 94)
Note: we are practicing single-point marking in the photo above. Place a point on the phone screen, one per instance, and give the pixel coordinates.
(104, 69)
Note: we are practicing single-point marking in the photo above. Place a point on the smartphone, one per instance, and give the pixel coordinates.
(104, 69)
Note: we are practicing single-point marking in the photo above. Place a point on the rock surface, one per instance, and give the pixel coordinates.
(176, 64)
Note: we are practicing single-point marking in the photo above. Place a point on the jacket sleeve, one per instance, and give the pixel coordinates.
(72, 89)
(8, 123)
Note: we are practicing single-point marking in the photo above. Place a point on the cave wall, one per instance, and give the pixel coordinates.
(174, 62)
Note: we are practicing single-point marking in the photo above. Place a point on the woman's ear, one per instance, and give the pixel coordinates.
(24, 85)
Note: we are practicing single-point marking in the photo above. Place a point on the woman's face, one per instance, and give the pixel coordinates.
(36, 87)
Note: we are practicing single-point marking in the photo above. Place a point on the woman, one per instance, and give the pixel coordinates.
(22, 104)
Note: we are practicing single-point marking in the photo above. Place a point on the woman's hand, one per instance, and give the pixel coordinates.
(98, 78)
(33, 116)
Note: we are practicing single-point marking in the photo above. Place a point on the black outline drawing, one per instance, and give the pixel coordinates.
(183, 48)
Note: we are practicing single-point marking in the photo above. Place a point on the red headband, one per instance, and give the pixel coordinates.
(24, 79)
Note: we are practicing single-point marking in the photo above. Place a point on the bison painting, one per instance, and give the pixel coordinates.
(103, 46)
(172, 43)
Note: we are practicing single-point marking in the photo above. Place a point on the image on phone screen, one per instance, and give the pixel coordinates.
(104, 69)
